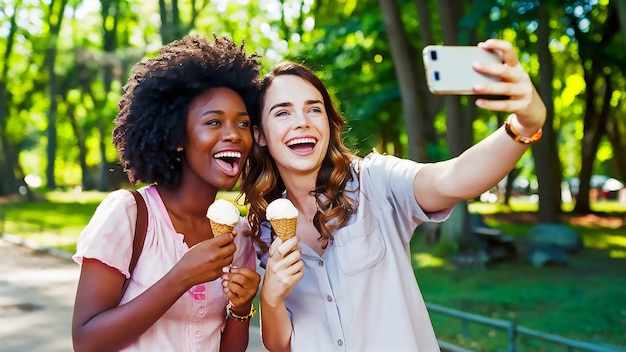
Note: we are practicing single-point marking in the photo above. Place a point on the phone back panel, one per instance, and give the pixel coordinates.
(449, 68)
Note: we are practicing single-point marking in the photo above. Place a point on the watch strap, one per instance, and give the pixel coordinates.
(515, 135)
(234, 316)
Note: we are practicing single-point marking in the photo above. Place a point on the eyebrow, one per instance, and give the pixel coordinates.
(279, 105)
(285, 104)
(221, 112)
(313, 101)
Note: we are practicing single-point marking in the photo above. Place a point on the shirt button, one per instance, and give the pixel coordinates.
(201, 311)
(340, 342)
(198, 334)
(329, 298)
(320, 263)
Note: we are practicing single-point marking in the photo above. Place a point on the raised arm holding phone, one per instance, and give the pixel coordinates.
(345, 282)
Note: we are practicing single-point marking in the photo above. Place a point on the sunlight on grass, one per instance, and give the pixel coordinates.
(605, 241)
(232, 197)
(54, 239)
(57, 218)
(609, 206)
(617, 254)
(616, 241)
(75, 196)
(521, 204)
(423, 260)
(515, 205)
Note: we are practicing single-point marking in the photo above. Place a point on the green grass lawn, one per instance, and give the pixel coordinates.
(584, 300)
(56, 219)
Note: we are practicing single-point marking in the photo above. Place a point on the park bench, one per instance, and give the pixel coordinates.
(489, 245)
(493, 242)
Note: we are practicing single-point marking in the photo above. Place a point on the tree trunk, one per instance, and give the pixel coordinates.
(621, 14)
(55, 18)
(87, 180)
(430, 103)
(8, 181)
(406, 72)
(52, 117)
(458, 134)
(110, 45)
(171, 25)
(598, 93)
(615, 131)
(594, 126)
(458, 131)
(547, 164)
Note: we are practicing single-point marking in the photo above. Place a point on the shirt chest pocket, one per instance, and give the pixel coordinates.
(359, 246)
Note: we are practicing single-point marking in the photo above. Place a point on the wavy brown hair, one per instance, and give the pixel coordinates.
(262, 183)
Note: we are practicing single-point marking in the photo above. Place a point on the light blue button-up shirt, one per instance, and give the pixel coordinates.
(361, 294)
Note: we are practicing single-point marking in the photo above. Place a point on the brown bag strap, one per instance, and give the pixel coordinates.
(141, 227)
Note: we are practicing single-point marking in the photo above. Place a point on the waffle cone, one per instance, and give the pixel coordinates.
(284, 228)
(220, 229)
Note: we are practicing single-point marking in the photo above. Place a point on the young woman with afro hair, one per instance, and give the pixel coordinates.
(183, 128)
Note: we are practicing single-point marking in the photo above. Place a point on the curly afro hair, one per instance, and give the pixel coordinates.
(151, 120)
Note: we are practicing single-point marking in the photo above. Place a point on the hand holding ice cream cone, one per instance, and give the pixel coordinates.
(223, 215)
(283, 216)
(284, 266)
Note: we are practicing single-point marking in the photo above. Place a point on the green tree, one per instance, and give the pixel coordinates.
(22, 87)
(8, 159)
(54, 18)
(406, 64)
(61, 79)
(602, 55)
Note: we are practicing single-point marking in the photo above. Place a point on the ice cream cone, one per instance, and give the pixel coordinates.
(283, 216)
(284, 228)
(220, 229)
(223, 216)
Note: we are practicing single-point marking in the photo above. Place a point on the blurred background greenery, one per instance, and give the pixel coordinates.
(64, 64)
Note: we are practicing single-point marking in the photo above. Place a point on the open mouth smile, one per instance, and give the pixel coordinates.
(228, 161)
(302, 145)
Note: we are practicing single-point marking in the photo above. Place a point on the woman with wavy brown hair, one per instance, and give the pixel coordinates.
(345, 282)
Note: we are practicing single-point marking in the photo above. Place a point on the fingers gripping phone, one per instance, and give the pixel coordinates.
(449, 68)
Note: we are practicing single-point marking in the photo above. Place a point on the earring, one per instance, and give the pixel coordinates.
(179, 151)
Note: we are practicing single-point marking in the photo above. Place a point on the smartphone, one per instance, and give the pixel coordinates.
(449, 68)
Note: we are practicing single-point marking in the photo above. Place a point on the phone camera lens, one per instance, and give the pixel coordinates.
(433, 55)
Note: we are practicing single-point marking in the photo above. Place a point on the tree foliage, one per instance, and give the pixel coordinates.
(64, 63)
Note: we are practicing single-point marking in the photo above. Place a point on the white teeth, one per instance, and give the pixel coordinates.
(227, 155)
(301, 141)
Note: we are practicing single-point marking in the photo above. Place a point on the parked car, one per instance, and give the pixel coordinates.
(600, 186)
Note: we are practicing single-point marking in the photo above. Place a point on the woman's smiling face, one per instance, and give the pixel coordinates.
(218, 137)
(295, 125)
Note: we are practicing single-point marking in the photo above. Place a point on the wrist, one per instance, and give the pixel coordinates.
(243, 313)
(270, 299)
(520, 133)
(176, 282)
(241, 310)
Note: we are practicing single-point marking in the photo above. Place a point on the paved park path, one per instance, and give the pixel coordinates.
(37, 289)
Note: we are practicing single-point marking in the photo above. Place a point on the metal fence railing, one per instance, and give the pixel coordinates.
(513, 331)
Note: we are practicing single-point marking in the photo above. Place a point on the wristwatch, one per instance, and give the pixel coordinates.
(511, 131)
